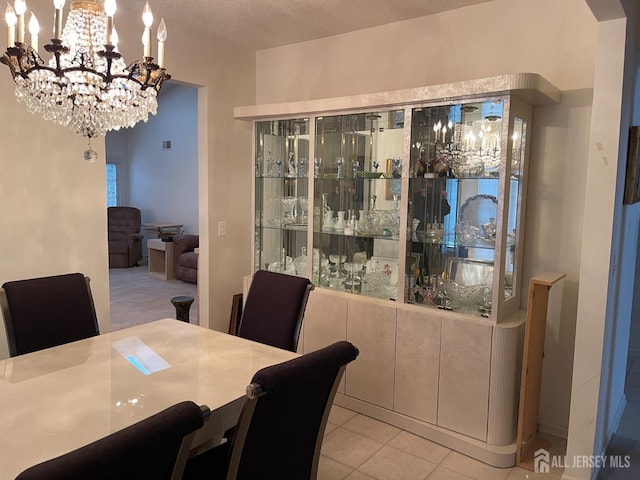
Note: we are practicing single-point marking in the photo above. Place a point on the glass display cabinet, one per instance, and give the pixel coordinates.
(281, 195)
(411, 205)
(357, 189)
(422, 203)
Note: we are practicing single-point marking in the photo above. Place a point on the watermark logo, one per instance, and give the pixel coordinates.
(541, 461)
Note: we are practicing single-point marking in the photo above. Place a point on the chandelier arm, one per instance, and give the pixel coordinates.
(147, 67)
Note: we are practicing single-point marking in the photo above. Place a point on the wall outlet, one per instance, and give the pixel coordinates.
(222, 228)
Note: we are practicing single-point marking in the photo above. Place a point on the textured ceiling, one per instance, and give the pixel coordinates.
(259, 24)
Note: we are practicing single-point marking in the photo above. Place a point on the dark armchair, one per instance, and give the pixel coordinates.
(185, 260)
(125, 240)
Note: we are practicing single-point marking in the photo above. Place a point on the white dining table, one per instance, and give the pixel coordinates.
(56, 400)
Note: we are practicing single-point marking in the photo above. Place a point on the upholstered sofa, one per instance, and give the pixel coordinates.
(185, 260)
(125, 240)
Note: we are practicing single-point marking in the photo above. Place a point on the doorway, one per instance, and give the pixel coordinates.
(156, 171)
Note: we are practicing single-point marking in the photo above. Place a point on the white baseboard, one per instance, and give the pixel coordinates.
(555, 430)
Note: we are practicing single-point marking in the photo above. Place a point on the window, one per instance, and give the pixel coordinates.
(112, 185)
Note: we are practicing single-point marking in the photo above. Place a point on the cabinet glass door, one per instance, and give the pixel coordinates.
(357, 188)
(456, 162)
(281, 195)
(516, 171)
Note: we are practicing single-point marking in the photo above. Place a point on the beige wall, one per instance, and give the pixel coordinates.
(494, 38)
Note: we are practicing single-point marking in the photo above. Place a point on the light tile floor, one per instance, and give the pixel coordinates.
(357, 447)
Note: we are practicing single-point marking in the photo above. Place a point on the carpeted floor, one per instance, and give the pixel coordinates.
(137, 298)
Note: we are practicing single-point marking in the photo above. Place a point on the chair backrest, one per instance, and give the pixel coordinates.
(122, 222)
(274, 309)
(156, 448)
(45, 312)
(282, 424)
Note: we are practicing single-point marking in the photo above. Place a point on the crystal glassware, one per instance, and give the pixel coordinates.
(304, 208)
(339, 163)
(289, 205)
(463, 296)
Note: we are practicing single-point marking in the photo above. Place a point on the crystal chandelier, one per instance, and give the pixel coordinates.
(86, 84)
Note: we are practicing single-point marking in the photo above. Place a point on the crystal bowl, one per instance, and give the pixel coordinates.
(463, 296)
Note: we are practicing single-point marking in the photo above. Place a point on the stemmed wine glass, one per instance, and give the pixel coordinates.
(289, 205)
(337, 276)
(304, 207)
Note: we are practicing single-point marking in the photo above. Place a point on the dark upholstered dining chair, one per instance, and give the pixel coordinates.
(46, 312)
(154, 448)
(281, 426)
(274, 309)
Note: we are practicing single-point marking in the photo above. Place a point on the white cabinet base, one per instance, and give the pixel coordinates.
(503, 456)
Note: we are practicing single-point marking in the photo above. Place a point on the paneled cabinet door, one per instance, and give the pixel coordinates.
(325, 322)
(417, 365)
(463, 393)
(371, 326)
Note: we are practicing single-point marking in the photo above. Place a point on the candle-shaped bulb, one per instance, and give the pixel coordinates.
(147, 19)
(147, 16)
(34, 30)
(10, 16)
(162, 37)
(20, 7)
(114, 38)
(162, 31)
(110, 10)
(110, 7)
(11, 19)
(57, 18)
(34, 25)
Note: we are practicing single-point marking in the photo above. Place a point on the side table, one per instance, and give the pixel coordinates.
(160, 259)
(163, 229)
